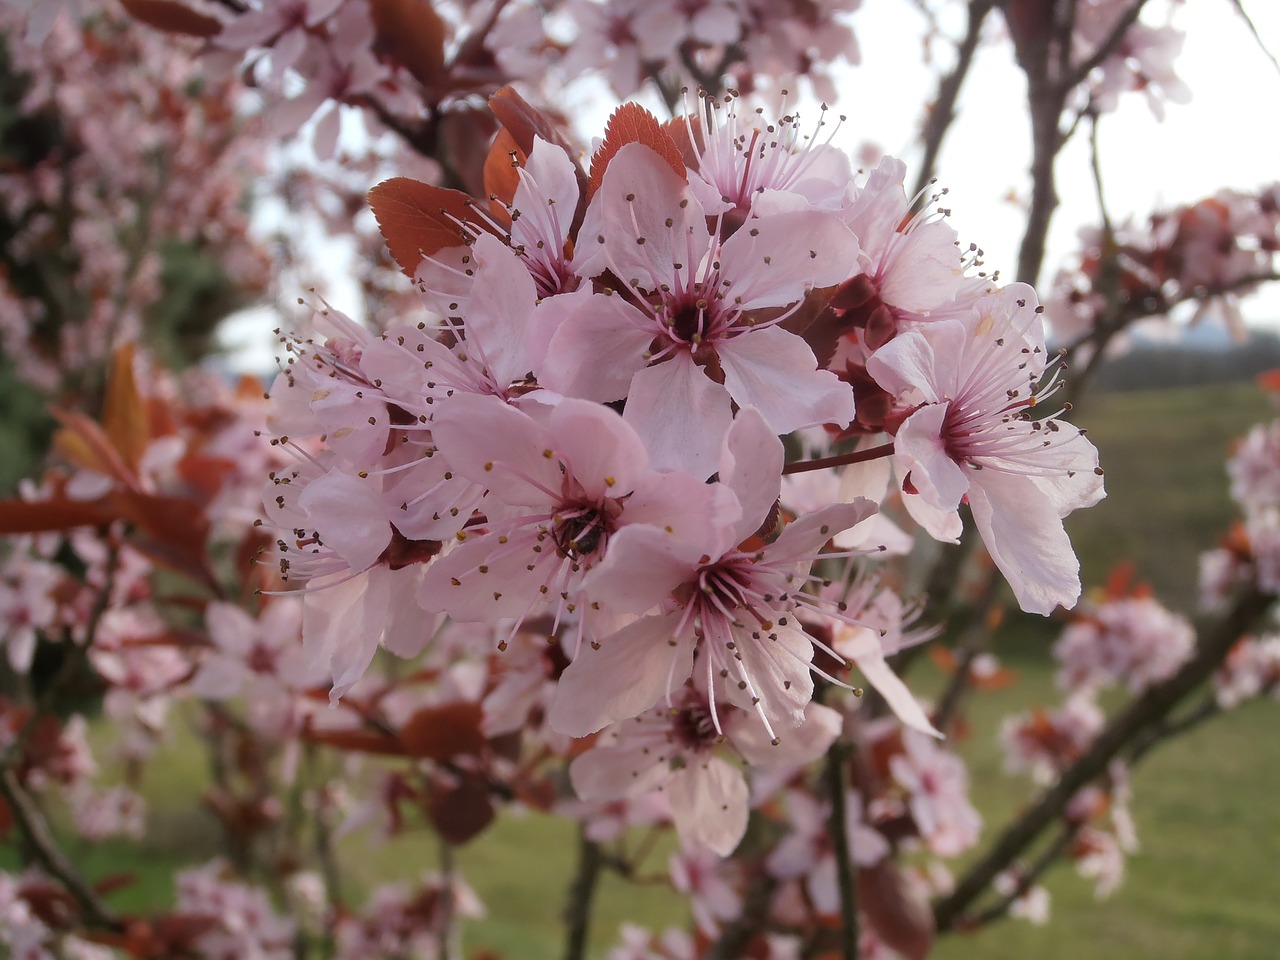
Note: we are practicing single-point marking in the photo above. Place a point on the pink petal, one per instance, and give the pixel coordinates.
(751, 466)
(681, 415)
(597, 349)
(1022, 531)
(349, 517)
(609, 772)
(601, 449)
(776, 372)
(630, 672)
(773, 261)
(709, 803)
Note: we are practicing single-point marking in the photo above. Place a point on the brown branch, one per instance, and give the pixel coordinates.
(943, 112)
(840, 459)
(1155, 704)
(836, 758)
(577, 912)
(1107, 47)
(1253, 29)
(35, 830)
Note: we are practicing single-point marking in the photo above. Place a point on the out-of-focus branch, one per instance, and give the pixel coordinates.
(1162, 732)
(35, 831)
(1150, 708)
(1026, 880)
(943, 111)
(837, 756)
(1107, 47)
(1239, 5)
(577, 912)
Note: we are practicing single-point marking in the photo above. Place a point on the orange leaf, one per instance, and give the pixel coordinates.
(124, 416)
(357, 741)
(438, 733)
(172, 17)
(415, 219)
(523, 122)
(83, 443)
(502, 173)
(632, 123)
(412, 34)
(1270, 380)
(899, 917)
(461, 810)
(47, 516)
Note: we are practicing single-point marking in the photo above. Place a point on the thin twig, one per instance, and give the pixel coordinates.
(1155, 704)
(840, 459)
(1028, 878)
(1107, 47)
(35, 830)
(577, 912)
(837, 756)
(1239, 5)
(943, 112)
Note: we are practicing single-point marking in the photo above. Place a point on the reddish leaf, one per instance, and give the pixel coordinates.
(903, 921)
(47, 516)
(524, 122)
(502, 173)
(124, 415)
(172, 17)
(416, 219)
(357, 741)
(115, 881)
(83, 443)
(1270, 380)
(461, 810)
(412, 34)
(438, 733)
(632, 123)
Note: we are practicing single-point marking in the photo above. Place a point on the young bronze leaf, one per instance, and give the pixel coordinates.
(172, 17)
(501, 173)
(412, 34)
(523, 122)
(417, 219)
(632, 123)
(124, 413)
(438, 733)
(48, 516)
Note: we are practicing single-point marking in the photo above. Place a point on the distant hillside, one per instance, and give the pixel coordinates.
(1150, 366)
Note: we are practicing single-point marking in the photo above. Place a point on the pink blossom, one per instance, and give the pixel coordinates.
(673, 748)
(937, 787)
(735, 608)
(972, 385)
(696, 306)
(558, 495)
(1132, 641)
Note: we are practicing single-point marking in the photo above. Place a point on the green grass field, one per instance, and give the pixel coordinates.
(1206, 883)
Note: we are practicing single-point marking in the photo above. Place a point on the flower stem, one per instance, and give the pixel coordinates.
(836, 758)
(577, 912)
(841, 459)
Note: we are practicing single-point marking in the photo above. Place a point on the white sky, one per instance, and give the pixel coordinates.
(1228, 136)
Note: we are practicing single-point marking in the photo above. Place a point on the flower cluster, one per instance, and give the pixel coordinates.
(584, 432)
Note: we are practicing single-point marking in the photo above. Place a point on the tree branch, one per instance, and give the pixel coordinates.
(1151, 707)
(577, 912)
(836, 757)
(35, 830)
(943, 112)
